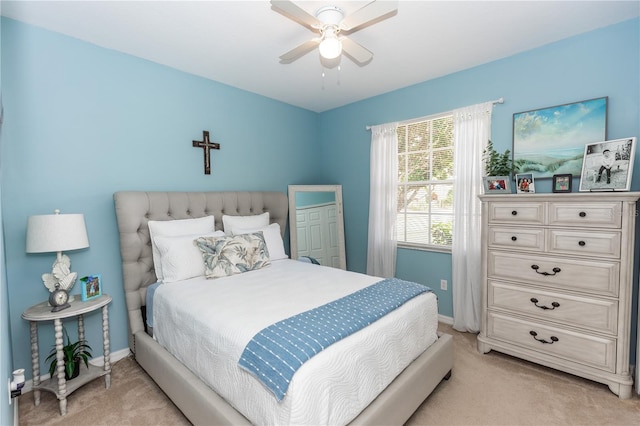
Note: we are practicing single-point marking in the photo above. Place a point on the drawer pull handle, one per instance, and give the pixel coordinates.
(582, 243)
(536, 267)
(582, 214)
(543, 307)
(553, 338)
(514, 238)
(514, 212)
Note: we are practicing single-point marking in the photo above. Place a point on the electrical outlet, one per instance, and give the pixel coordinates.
(443, 284)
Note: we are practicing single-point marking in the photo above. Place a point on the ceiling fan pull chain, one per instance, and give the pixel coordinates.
(339, 68)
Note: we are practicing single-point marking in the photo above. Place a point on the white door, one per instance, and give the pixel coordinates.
(312, 240)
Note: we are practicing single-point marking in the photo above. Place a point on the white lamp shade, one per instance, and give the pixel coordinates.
(56, 233)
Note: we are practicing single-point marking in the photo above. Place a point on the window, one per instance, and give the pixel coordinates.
(425, 183)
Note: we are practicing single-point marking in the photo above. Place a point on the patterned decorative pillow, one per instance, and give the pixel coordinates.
(272, 237)
(231, 255)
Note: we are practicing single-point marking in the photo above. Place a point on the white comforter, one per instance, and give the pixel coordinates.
(207, 323)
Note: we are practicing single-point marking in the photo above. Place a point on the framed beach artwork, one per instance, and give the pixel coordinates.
(551, 140)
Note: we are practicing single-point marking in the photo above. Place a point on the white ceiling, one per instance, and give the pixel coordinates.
(238, 42)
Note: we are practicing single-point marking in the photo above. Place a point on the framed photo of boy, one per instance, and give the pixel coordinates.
(497, 184)
(91, 287)
(562, 183)
(525, 183)
(608, 165)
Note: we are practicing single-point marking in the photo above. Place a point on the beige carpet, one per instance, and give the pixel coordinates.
(491, 389)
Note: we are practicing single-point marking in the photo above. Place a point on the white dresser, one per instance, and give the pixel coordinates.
(557, 281)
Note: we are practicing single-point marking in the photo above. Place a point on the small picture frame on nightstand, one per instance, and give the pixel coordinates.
(91, 287)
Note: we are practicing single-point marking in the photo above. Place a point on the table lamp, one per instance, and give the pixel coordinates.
(57, 233)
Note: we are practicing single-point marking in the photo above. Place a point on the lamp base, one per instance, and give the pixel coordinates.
(60, 274)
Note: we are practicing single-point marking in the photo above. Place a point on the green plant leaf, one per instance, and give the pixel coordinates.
(71, 351)
(497, 164)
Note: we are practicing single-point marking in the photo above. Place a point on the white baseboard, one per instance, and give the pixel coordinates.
(115, 357)
(98, 362)
(445, 320)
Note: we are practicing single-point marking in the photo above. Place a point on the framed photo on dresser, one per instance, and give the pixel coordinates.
(525, 183)
(497, 184)
(562, 183)
(608, 165)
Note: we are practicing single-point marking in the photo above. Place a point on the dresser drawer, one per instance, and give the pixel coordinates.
(604, 215)
(596, 314)
(525, 238)
(594, 351)
(590, 243)
(597, 277)
(522, 213)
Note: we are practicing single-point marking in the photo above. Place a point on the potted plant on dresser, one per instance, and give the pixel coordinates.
(73, 353)
(498, 169)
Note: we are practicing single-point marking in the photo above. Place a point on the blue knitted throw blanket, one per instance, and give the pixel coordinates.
(275, 353)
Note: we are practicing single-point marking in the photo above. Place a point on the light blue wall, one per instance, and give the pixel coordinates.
(605, 62)
(6, 411)
(82, 122)
(6, 363)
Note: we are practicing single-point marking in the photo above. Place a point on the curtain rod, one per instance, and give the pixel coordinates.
(497, 101)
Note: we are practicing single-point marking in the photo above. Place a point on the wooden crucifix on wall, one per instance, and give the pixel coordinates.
(207, 146)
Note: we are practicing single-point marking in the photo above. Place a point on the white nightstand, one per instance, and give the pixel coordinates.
(42, 312)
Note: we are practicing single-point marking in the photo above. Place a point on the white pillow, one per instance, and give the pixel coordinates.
(272, 237)
(173, 228)
(230, 223)
(180, 257)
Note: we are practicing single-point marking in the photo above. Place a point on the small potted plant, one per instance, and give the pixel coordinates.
(73, 354)
(496, 164)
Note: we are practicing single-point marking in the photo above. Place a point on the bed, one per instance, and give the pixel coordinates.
(197, 399)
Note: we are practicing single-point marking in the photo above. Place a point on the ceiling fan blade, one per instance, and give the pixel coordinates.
(299, 51)
(358, 54)
(295, 12)
(369, 14)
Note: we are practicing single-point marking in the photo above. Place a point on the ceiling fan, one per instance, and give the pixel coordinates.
(330, 23)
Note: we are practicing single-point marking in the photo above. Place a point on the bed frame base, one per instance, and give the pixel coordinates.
(202, 406)
(197, 401)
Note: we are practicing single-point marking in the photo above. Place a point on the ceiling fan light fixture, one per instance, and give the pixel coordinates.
(330, 22)
(330, 47)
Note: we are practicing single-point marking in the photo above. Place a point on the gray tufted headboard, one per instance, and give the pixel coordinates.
(135, 208)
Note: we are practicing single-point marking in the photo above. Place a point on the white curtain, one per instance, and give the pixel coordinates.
(472, 130)
(383, 202)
